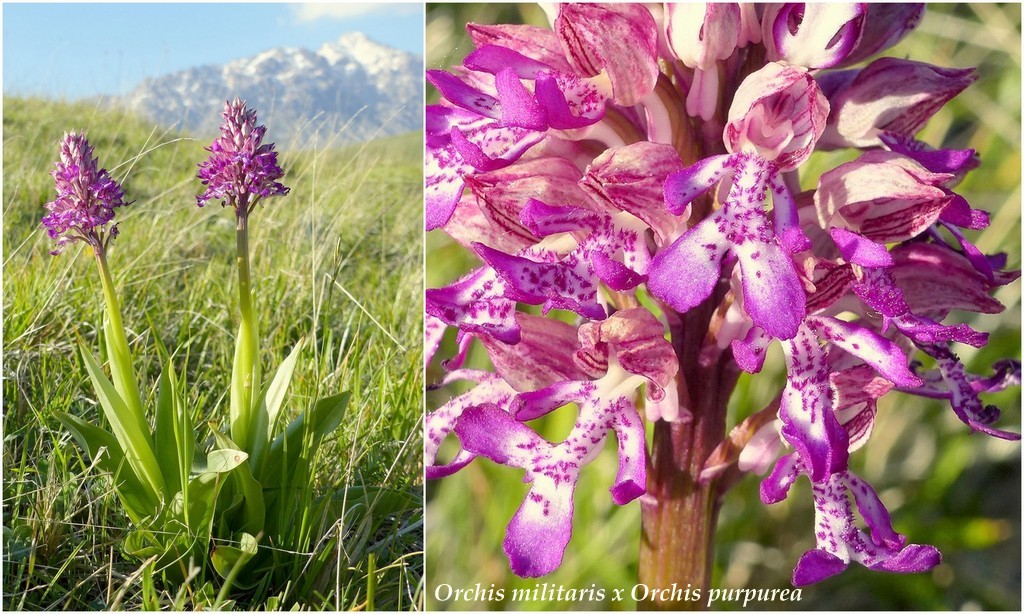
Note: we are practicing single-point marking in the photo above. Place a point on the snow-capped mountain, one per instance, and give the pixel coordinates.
(352, 89)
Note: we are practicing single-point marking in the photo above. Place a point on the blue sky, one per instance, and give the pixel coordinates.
(78, 50)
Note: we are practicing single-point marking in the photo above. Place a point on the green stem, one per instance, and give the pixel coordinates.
(677, 547)
(245, 373)
(118, 351)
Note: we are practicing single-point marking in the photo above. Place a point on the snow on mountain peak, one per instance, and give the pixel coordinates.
(297, 91)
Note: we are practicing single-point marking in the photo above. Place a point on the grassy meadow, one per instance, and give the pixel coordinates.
(337, 262)
(943, 485)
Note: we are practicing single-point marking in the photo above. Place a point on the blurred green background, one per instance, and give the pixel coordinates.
(943, 485)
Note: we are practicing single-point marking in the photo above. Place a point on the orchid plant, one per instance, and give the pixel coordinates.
(629, 181)
(253, 485)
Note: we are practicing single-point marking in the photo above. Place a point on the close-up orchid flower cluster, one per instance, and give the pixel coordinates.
(657, 198)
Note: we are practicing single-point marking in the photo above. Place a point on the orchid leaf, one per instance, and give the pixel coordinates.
(252, 490)
(227, 558)
(270, 403)
(126, 425)
(103, 449)
(167, 446)
(323, 418)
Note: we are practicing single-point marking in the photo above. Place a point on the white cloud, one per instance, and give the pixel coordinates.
(340, 11)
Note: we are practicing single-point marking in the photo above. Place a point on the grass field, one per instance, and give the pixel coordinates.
(944, 486)
(337, 261)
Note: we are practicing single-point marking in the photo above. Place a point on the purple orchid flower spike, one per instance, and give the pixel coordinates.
(241, 169)
(777, 115)
(86, 197)
(633, 184)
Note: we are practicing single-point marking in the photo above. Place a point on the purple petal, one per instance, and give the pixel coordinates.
(636, 340)
(959, 213)
(775, 487)
(501, 193)
(953, 161)
(787, 218)
(882, 195)
(491, 391)
(541, 528)
(813, 35)
(534, 404)
(831, 283)
(686, 273)
(963, 398)
(885, 24)
(620, 40)
(543, 355)
(778, 112)
(539, 532)
(772, 292)
(936, 280)
(817, 565)
(456, 91)
(884, 355)
(750, 351)
(807, 414)
(494, 434)
(532, 42)
(890, 95)
(555, 285)
(569, 102)
(632, 179)
(874, 513)
(518, 106)
(476, 303)
(685, 185)
(496, 59)
(1006, 374)
(433, 331)
(914, 558)
(631, 479)
(860, 250)
(600, 237)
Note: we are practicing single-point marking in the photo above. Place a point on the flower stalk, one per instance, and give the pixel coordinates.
(117, 343)
(245, 372)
